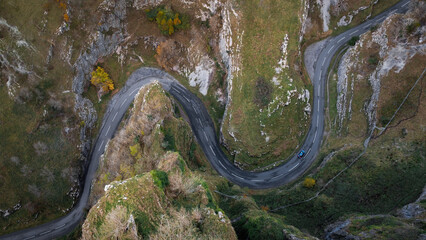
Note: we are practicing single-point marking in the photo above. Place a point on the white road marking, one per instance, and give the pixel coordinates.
(33, 236)
(114, 116)
(212, 150)
(134, 91)
(108, 130)
(330, 49)
(199, 121)
(323, 61)
(317, 121)
(221, 164)
(63, 225)
(315, 136)
(123, 103)
(255, 180)
(392, 12)
(405, 4)
(277, 176)
(343, 38)
(46, 232)
(294, 167)
(319, 90)
(205, 135)
(318, 105)
(355, 31)
(237, 176)
(100, 146)
(186, 99)
(308, 152)
(320, 73)
(368, 25)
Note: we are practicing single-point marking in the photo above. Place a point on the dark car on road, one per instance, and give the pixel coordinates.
(301, 154)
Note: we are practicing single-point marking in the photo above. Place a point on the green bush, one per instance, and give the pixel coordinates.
(373, 60)
(413, 26)
(353, 40)
(160, 178)
(259, 225)
(169, 140)
(145, 227)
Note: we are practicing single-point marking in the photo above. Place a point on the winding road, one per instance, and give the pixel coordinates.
(203, 129)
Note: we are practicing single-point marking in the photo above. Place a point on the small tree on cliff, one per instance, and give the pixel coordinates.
(101, 80)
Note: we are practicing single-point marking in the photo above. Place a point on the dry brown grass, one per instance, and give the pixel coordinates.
(150, 108)
(177, 225)
(119, 224)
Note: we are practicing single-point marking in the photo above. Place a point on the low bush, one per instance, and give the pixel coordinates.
(161, 179)
(353, 40)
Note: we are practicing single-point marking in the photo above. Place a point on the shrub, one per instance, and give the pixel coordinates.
(413, 26)
(309, 182)
(263, 93)
(353, 40)
(260, 225)
(160, 178)
(169, 140)
(145, 227)
(373, 60)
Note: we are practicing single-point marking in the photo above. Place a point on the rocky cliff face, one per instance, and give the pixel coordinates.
(379, 89)
(406, 224)
(326, 16)
(391, 46)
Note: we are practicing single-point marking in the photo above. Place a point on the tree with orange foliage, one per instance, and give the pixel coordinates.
(264, 208)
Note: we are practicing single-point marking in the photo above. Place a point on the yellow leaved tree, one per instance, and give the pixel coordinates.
(309, 182)
(102, 80)
(167, 20)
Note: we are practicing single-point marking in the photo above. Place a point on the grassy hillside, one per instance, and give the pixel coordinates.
(391, 173)
(39, 130)
(266, 119)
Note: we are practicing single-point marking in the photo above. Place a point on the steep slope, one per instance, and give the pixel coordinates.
(167, 203)
(40, 148)
(407, 223)
(144, 188)
(367, 111)
(329, 16)
(152, 129)
(268, 107)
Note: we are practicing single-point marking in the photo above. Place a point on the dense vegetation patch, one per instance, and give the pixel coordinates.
(168, 21)
(160, 178)
(259, 225)
(353, 40)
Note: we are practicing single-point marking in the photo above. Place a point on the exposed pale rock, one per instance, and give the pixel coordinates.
(202, 75)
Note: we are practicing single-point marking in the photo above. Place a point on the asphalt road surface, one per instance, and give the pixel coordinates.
(203, 129)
